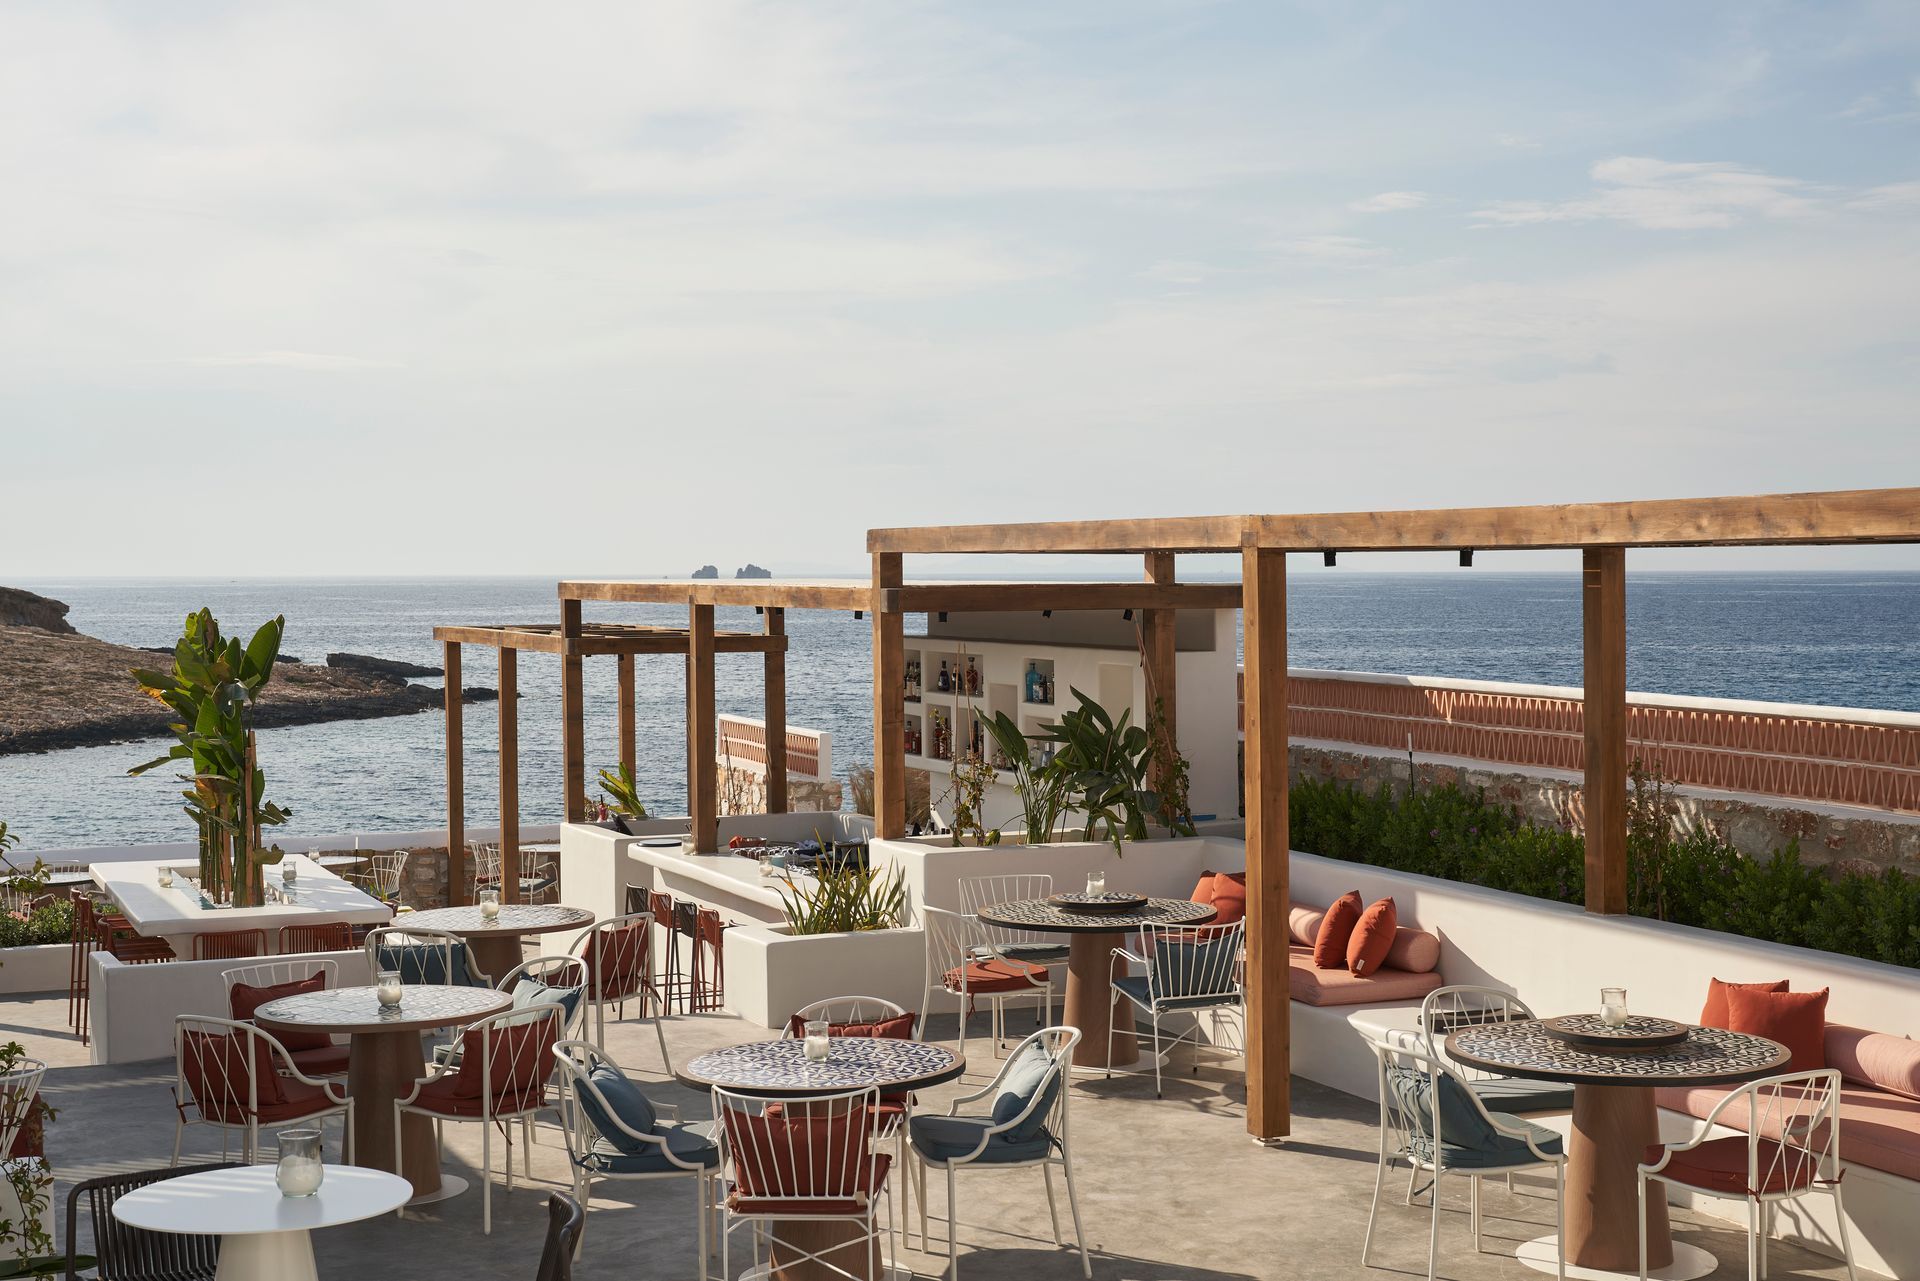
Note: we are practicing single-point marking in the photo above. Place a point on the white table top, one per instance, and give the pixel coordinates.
(245, 1200)
(319, 896)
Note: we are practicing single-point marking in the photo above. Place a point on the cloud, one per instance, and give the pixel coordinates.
(1661, 195)
(1895, 195)
(1344, 251)
(1390, 202)
(311, 360)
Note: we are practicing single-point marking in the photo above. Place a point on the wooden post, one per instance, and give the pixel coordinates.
(703, 784)
(1603, 595)
(1263, 584)
(627, 753)
(456, 779)
(573, 731)
(776, 714)
(1157, 651)
(889, 705)
(509, 776)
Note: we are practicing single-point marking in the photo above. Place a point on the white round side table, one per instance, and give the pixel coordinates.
(263, 1234)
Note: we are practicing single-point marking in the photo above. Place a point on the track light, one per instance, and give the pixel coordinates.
(1126, 615)
(943, 615)
(1327, 558)
(1466, 558)
(859, 614)
(759, 609)
(1046, 613)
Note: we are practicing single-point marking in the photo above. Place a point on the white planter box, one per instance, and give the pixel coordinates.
(771, 973)
(41, 968)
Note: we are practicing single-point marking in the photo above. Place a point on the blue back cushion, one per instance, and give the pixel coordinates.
(1031, 1069)
(529, 992)
(626, 1102)
(1461, 1125)
(424, 963)
(1194, 969)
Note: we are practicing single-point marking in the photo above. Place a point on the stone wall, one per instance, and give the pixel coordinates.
(744, 791)
(1828, 834)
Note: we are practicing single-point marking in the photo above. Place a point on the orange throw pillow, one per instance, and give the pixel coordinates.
(1714, 1013)
(1372, 938)
(1330, 945)
(1798, 1020)
(1229, 897)
(1203, 892)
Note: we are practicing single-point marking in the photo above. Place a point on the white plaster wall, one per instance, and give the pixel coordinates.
(133, 1006)
(41, 968)
(771, 974)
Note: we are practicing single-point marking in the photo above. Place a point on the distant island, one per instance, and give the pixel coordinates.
(707, 571)
(748, 570)
(65, 689)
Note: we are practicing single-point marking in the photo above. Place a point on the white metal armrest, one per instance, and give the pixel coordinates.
(292, 1069)
(1136, 958)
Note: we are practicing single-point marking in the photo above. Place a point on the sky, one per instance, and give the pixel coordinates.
(628, 287)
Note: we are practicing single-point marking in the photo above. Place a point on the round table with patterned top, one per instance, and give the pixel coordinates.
(496, 943)
(384, 1060)
(1103, 1016)
(1614, 1122)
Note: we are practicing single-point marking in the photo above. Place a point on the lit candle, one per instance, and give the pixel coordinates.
(1613, 1006)
(300, 1171)
(166, 878)
(816, 1043)
(1097, 882)
(388, 989)
(489, 905)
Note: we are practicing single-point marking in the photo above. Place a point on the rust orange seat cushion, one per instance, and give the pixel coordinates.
(1720, 1165)
(1877, 1129)
(1372, 938)
(1798, 1020)
(1714, 1012)
(1311, 985)
(995, 975)
(1330, 944)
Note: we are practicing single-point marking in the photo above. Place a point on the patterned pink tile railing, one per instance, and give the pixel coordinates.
(744, 741)
(1834, 754)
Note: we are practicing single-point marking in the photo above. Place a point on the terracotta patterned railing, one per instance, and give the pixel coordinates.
(1840, 755)
(742, 742)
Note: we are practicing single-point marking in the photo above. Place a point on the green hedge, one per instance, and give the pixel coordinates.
(52, 923)
(1692, 878)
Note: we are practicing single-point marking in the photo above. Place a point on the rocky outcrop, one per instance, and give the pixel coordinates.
(22, 608)
(707, 571)
(751, 570)
(389, 667)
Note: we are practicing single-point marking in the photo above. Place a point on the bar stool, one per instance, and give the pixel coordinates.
(709, 961)
(671, 982)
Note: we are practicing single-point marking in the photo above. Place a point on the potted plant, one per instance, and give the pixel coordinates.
(624, 793)
(26, 1243)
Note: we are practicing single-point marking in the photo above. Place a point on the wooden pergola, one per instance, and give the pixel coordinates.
(623, 641)
(1601, 531)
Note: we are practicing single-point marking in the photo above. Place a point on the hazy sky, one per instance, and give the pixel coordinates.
(629, 286)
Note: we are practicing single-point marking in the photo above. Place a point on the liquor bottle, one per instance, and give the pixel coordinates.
(973, 678)
(944, 683)
(1033, 682)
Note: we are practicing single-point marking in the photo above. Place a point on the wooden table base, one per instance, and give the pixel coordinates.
(1102, 1015)
(1612, 1127)
(796, 1237)
(381, 1067)
(498, 955)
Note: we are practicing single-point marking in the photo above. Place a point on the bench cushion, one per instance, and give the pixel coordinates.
(1413, 950)
(1311, 985)
(1876, 1059)
(1878, 1130)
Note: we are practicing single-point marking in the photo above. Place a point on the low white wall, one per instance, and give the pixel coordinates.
(42, 968)
(133, 1006)
(297, 843)
(771, 973)
(1162, 868)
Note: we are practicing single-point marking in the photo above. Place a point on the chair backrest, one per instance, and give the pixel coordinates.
(424, 956)
(950, 938)
(17, 1093)
(842, 1010)
(274, 973)
(507, 1057)
(977, 892)
(618, 953)
(227, 1069)
(486, 864)
(804, 1156)
(1187, 961)
(329, 936)
(1465, 1005)
(560, 980)
(125, 1253)
(1800, 1112)
(565, 1218)
(1427, 1109)
(389, 871)
(228, 945)
(1024, 1102)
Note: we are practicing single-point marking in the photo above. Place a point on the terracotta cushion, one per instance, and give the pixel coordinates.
(1877, 1129)
(1229, 897)
(1415, 951)
(1798, 1020)
(1203, 892)
(1303, 922)
(996, 976)
(508, 1058)
(781, 1157)
(222, 1076)
(1372, 936)
(616, 961)
(1311, 985)
(1330, 944)
(1875, 1059)
(443, 1098)
(1720, 1165)
(243, 999)
(1714, 1012)
(898, 1028)
(872, 1175)
(331, 1061)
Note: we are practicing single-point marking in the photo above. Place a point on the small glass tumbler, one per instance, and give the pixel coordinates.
(489, 905)
(1097, 882)
(816, 1042)
(166, 878)
(1613, 1006)
(288, 872)
(300, 1171)
(388, 988)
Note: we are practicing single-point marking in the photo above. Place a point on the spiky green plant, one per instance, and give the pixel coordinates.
(845, 899)
(1041, 787)
(1105, 764)
(621, 789)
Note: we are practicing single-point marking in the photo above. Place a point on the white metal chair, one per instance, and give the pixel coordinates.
(236, 1077)
(1188, 969)
(959, 963)
(609, 1137)
(977, 892)
(18, 1090)
(483, 869)
(618, 953)
(1468, 1005)
(811, 1160)
(424, 956)
(386, 873)
(313, 1058)
(1430, 1119)
(1026, 1126)
(1791, 1148)
(891, 1114)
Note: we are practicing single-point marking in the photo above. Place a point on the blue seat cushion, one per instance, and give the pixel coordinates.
(1029, 1075)
(1509, 1151)
(950, 1138)
(426, 963)
(1136, 988)
(1511, 1094)
(683, 1141)
(624, 1100)
(530, 992)
(1031, 953)
(1468, 1139)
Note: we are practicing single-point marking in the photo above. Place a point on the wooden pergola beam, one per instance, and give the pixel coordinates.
(629, 756)
(602, 638)
(1133, 537)
(774, 682)
(1603, 608)
(573, 729)
(1158, 630)
(456, 775)
(975, 598)
(1269, 995)
(889, 705)
(741, 591)
(509, 778)
(703, 785)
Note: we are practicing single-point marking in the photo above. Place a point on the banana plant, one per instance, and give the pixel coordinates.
(211, 689)
(619, 785)
(1042, 789)
(1105, 763)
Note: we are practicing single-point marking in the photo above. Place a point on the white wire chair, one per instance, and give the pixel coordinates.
(1431, 1120)
(960, 964)
(315, 1060)
(386, 873)
(803, 1160)
(1189, 968)
(1036, 1134)
(977, 892)
(894, 1111)
(619, 957)
(424, 956)
(483, 869)
(1468, 1005)
(1791, 1148)
(601, 1145)
(18, 1090)
(236, 1077)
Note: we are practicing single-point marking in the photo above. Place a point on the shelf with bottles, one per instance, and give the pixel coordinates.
(953, 674)
(912, 733)
(939, 741)
(912, 678)
(1036, 684)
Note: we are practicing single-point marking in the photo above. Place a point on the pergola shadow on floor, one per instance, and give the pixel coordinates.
(1171, 1190)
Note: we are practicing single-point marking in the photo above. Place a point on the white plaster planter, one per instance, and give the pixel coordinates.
(771, 973)
(40, 968)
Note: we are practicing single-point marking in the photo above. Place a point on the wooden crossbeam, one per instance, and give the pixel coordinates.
(603, 638)
(922, 598)
(764, 592)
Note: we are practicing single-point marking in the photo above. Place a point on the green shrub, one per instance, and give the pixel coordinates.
(50, 923)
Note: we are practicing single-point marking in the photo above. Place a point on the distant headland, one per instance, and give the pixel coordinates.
(748, 570)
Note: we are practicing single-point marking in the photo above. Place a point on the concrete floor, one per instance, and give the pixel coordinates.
(1171, 1189)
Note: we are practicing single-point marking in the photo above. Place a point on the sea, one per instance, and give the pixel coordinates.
(1842, 639)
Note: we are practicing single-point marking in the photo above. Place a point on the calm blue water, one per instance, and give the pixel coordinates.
(1846, 639)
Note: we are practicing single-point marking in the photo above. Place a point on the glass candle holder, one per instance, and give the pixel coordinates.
(287, 871)
(816, 1042)
(388, 988)
(1613, 1006)
(166, 878)
(489, 905)
(1096, 882)
(300, 1171)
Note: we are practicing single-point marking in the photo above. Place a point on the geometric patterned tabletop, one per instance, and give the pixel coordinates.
(358, 1009)
(781, 1068)
(514, 918)
(1038, 914)
(1709, 1056)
